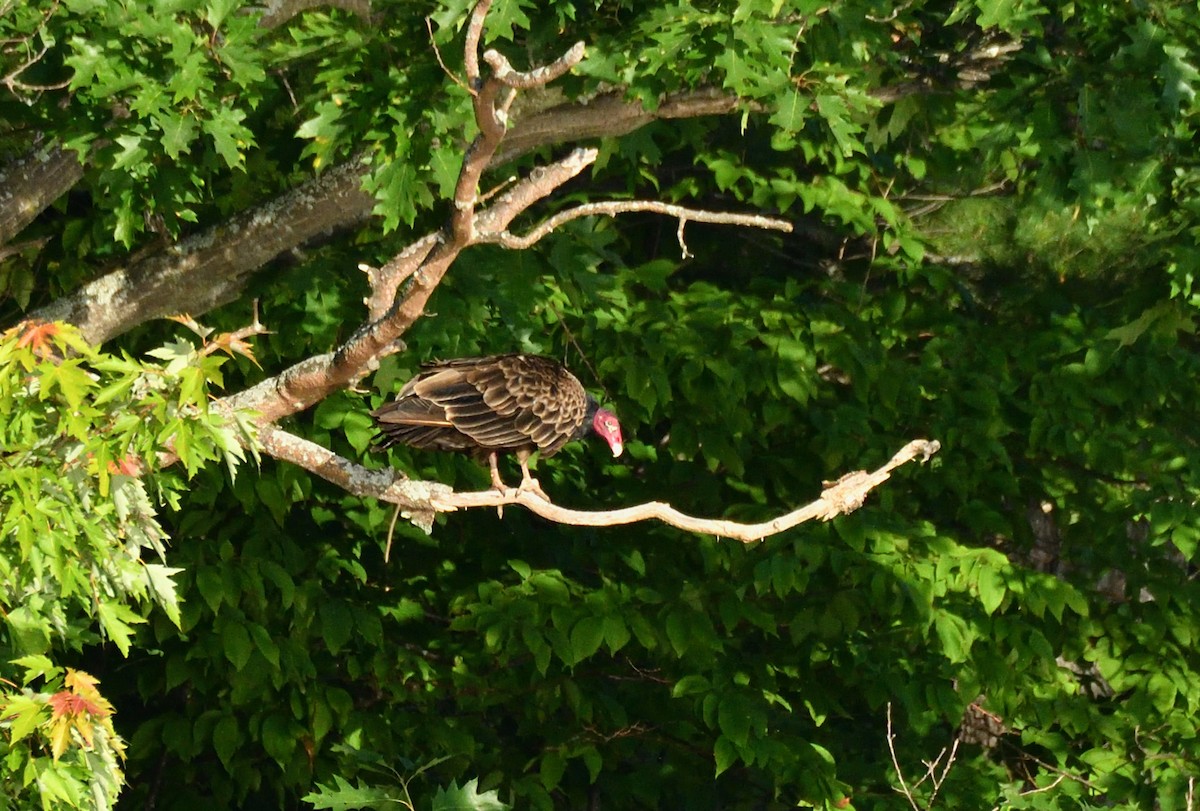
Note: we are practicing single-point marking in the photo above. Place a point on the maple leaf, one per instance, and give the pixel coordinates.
(235, 344)
(85, 684)
(37, 335)
(76, 708)
(127, 465)
(65, 702)
(192, 324)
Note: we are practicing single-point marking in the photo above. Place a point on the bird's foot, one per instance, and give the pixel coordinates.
(499, 486)
(531, 485)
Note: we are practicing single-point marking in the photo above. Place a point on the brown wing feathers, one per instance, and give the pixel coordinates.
(498, 403)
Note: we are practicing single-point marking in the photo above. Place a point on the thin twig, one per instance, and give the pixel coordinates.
(939, 780)
(1068, 775)
(437, 53)
(614, 207)
(1050, 787)
(891, 743)
(583, 355)
(421, 500)
(387, 550)
(679, 236)
(527, 80)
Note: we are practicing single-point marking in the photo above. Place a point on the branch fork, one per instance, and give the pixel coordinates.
(400, 291)
(420, 501)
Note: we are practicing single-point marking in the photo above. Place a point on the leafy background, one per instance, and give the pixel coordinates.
(996, 247)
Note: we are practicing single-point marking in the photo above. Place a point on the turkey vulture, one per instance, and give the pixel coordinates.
(496, 404)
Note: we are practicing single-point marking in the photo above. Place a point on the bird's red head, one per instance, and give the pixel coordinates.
(605, 424)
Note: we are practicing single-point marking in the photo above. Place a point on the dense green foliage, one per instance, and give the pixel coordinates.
(997, 246)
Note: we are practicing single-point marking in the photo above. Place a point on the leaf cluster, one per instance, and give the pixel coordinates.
(82, 432)
(995, 247)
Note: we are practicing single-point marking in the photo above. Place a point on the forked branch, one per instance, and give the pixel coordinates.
(401, 288)
(419, 501)
(611, 208)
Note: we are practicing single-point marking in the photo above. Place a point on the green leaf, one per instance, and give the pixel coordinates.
(593, 761)
(23, 714)
(343, 796)
(265, 644)
(734, 718)
(586, 637)
(551, 770)
(724, 753)
(226, 739)
(230, 138)
(689, 685)
(162, 586)
(337, 625)
(35, 667)
(132, 152)
(679, 632)
(279, 737)
(467, 798)
(991, 588)
(616, 633)
(116, 619)
(235, 640)
(956, 637)
(178, 133)
(215, 11)
(833, 109)
(211, 587)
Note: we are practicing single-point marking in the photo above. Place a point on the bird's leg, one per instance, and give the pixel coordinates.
(497, 482)
(529, 483)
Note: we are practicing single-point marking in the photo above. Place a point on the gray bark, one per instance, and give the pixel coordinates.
(33, 182)
(211, 268)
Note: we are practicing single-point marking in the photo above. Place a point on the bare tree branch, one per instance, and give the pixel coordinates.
(277, 12)
(33, 182)
(211, 268)
(25, 91)
(891, 744)
(178, 275)
(415, 498)
(539, 77)
(541, 182)
(420, 500)
(315, 378)
(615, 207)
(385, 281)
(471, 46)
(607, 115)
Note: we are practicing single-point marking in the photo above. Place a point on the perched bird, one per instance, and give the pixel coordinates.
(496, 404)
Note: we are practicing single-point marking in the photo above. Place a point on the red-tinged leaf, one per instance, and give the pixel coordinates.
(192, 324)
(38, 336)
(127, 465)
(65, 702)
(233, 344)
